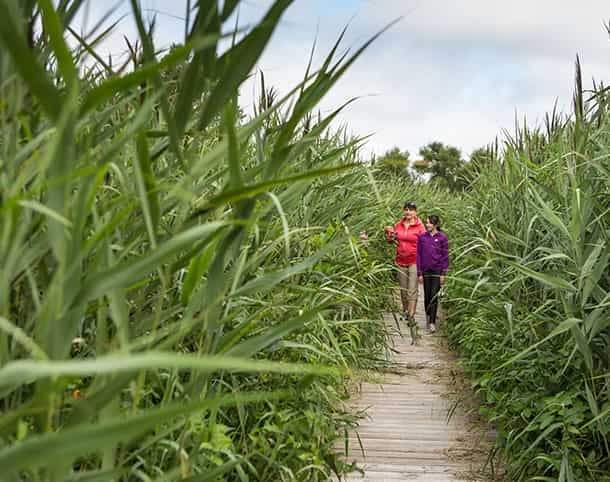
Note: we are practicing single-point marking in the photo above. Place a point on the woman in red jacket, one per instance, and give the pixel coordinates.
(405, 234)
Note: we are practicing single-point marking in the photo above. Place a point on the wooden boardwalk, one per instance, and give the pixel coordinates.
(408, 434)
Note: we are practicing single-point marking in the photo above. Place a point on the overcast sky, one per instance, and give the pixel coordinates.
(450, 70)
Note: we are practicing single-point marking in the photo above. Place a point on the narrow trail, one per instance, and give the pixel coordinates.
(408, 434)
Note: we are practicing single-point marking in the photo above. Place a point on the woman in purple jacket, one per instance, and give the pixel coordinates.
(432, 265)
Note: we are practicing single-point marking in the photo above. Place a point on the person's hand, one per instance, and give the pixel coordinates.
(442, 279)
(420, 279)
(389, 233)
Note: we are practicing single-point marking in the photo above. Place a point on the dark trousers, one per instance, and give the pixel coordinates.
(432, 287)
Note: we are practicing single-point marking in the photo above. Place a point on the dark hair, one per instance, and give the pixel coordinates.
(434, 219)
(410, 205)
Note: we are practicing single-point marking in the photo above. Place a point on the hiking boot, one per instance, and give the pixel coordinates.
(413, 329)
(432, 327)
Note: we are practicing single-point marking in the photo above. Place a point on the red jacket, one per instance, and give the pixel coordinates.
(406, 251)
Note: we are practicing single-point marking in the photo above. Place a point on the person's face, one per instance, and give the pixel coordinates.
(409, 214)
(429, 225)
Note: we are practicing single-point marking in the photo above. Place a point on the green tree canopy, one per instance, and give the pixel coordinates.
(394, 161)
(442, 162)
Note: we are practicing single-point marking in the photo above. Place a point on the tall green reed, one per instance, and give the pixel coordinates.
(181, 291)
(530, 297)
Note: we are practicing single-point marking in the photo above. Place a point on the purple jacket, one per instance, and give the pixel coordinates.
(432, 253)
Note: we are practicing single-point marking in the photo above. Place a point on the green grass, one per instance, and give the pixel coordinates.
(182, 291)
(183, 295)
(530, 293)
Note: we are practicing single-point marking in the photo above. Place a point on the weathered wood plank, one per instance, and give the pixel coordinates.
(375, 476)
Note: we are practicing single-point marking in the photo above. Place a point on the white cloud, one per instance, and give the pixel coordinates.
(451, 70)
(455, 71)
(541, 27)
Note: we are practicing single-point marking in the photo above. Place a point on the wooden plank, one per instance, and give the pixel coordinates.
(424, 467)
(374, 476)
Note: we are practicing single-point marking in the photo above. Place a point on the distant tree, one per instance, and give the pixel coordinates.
(394, 161)
(441, 162)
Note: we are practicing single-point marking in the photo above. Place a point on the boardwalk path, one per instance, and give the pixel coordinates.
(407, 434)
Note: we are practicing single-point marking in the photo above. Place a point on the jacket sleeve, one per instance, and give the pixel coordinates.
(418, 259)
(444, 256)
